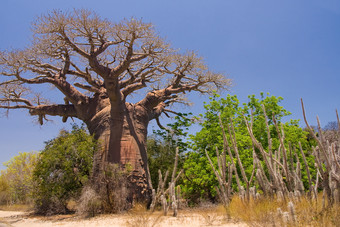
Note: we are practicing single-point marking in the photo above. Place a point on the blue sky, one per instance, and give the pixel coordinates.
(288, 48)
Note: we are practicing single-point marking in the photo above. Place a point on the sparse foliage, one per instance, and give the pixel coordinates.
(16, 180)
(163, 143)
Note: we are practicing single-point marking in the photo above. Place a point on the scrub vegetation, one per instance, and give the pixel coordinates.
(246, 166)
(247, 163)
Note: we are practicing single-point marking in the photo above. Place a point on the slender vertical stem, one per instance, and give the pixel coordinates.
(233, 136)
(306, 166)
(321, 146)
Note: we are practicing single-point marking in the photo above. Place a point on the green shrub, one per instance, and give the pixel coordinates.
(62, 170)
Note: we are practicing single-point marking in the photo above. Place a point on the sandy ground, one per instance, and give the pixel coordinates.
(187, 218)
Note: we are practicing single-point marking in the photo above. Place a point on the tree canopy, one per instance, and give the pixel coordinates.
(81, 55)
(96, 65)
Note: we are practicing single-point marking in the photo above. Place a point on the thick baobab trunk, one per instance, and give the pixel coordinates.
(122, 140)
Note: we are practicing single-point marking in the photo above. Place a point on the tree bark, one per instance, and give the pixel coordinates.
(122, 134)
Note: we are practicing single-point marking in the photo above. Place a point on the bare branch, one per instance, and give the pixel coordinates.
(159, 124)
(133, 87)
(16, 107)
(86, 87)
(337, 117)
(321, 146)
(54, 110)
(16, 100)
(78, 49)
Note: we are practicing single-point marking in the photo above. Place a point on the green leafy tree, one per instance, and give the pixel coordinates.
(199, 180)
(162, 144)
(16, 181)
(63, 168)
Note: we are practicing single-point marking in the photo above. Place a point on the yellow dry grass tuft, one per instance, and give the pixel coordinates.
(16, 207)
(253, 212)
(139, 216)
(313, 213)
(271, 212)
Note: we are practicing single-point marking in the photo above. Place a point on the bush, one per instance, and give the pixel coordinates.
(109, 194)
(116, 193)
(89, 203)
(62, 170)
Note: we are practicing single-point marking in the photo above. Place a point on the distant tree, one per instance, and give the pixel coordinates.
(96, 65)
(62, 170)
(5, 197)
(17, 180)
(331, 126)
(330, 132)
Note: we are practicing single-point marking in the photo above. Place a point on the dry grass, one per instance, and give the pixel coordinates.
(139, 216)
(212, 216)
(270, 212)
(262, 212)
(253, 213)
(314, 214)
(16, 207)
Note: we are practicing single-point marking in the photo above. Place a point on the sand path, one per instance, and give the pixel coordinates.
(24, 219)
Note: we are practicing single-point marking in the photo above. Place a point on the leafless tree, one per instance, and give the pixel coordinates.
(96, 65)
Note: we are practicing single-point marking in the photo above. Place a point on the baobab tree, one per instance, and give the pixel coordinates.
(96, 65)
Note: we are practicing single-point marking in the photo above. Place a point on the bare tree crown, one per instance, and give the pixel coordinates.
(84, 56)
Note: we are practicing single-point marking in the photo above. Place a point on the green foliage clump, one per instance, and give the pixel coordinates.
(199, 181)
(161, 146)
(16, 185)
(62, 170)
